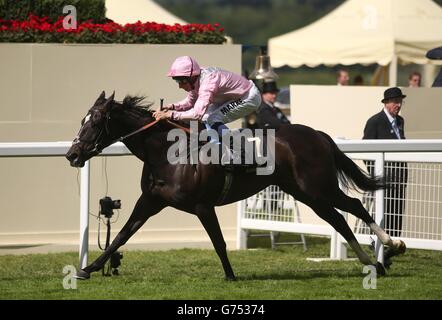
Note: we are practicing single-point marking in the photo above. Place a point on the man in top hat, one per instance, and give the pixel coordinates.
(388, 124)
(268, 115)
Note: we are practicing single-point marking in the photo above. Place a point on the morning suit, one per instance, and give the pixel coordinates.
(395, 173)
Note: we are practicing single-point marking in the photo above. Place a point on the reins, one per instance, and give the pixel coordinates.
(147, 126)
(97, 150)
(178, 126)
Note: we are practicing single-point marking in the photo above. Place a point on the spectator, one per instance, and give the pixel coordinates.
(267, 115)
(387, 124)
(414, 79)
(358, 80)
(342, 77)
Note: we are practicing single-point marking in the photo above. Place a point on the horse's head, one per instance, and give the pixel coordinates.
(93, 135)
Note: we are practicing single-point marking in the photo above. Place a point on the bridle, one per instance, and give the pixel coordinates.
(98, 143)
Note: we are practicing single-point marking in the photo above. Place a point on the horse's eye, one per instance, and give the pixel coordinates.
(96, 117)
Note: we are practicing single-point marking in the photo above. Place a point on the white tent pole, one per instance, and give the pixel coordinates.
(392, 74)
(428, 75)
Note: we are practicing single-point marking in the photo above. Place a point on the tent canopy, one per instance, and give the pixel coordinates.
(130, 11)
(365, 32)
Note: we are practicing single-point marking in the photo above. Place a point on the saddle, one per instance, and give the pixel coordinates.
(242, 153)
(236, 151)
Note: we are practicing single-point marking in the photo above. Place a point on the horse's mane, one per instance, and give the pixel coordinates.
(139, 108)
(138, 105)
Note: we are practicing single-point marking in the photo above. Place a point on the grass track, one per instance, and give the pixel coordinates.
(197, 274)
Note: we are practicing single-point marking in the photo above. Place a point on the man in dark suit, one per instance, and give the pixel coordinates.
(268, 115)
(388, 124)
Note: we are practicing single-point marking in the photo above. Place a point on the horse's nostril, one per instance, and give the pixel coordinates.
(71, 156)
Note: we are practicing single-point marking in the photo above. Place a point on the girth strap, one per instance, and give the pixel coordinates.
(228, 180)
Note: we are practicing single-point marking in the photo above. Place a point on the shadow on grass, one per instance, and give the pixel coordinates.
(303, 275)
(309, 274)
(316, 274)
(21, 246)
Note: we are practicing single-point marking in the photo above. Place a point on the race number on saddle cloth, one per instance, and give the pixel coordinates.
(215, 96)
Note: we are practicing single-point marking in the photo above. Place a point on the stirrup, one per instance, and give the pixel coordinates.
(229, 157)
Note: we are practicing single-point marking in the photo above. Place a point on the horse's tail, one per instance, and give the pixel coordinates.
(349, 174)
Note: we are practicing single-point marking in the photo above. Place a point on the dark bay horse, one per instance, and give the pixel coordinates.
(308, 166)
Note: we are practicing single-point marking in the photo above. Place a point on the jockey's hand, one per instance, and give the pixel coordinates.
(159, 115)
(168, 107)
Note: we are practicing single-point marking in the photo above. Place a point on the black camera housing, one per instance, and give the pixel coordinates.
(107, 205)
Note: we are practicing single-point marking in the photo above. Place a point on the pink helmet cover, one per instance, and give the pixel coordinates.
(184, 66)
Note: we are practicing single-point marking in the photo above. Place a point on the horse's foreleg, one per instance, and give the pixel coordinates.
(208, 218)
(144, 208)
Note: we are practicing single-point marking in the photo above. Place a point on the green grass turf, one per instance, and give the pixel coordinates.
(262, 273)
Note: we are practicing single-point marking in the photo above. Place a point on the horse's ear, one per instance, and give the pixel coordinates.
(100, 98)
(109, 100)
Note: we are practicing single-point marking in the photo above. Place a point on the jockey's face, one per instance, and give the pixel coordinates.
(186, 86)
(186, 83)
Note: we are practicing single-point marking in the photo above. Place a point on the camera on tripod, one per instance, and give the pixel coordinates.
(107, 206)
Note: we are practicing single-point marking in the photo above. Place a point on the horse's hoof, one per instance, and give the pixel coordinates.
(82, 275)
(387, 263)
(380, 270)
(401, 248)
(230, 278)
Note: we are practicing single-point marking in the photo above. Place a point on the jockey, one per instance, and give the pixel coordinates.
(215, 96)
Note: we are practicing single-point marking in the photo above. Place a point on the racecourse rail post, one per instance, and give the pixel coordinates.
(241, 235)
(84, 214)
(379, 171)
(341, 249)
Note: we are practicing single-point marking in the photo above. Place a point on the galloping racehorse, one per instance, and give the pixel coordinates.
(308, 166)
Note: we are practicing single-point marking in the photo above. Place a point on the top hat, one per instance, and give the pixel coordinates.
(435, 54)
(269, 87)
(392, 93)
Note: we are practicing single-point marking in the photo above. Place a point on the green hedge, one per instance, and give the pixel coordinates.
(20, 9)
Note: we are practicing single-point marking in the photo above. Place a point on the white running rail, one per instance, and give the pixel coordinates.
(379, 149)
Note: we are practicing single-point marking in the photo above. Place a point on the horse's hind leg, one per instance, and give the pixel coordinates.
(337, 221)
(144, 209)
(355, 207)
(208, 218)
